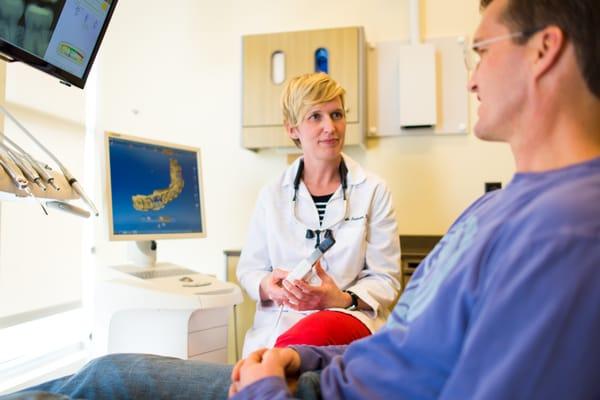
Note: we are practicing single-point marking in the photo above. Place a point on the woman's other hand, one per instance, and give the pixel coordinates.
(271, 287)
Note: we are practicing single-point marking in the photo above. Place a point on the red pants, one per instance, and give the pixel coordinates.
(324, 328)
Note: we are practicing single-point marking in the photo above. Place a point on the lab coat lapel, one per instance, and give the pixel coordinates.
(306, 211)
(334, 214)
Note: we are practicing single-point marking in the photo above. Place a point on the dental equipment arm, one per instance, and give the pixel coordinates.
(70, 178)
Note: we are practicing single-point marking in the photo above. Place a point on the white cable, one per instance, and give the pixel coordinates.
(274, 332)
(33, 138)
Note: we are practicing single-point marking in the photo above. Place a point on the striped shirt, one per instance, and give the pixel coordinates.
(321, 204)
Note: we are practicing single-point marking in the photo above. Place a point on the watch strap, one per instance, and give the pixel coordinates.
(354, 305)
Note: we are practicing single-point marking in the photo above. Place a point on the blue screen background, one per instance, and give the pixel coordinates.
(140, 168)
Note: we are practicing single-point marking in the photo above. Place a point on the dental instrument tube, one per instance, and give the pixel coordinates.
(70, 178)
(27, 169)
(41, 169)
(13, 170)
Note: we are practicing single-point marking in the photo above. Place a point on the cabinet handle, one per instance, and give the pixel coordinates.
(278, 67)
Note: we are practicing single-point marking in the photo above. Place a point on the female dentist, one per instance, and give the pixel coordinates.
(323, 193)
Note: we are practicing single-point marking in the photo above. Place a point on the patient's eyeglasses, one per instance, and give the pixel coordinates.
(473, 51)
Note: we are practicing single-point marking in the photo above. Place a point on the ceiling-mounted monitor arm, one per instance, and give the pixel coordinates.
(6, 58)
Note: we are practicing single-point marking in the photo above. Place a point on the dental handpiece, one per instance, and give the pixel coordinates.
(44, 170)
(70, 208)
(49, 179)
(13, 171)
(77, 188)
(27, 169)
(43, 174)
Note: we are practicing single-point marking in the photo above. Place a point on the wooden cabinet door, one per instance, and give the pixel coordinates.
(261, 96)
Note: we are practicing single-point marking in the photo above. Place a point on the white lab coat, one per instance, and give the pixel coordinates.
(365, 258)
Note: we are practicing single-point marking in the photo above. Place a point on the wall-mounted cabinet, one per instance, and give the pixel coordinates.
(269, 60)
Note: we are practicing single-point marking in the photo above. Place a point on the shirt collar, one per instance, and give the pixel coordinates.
(356, 174)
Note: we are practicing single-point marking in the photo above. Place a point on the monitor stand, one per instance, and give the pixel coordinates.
(142, 253)
(142, 262)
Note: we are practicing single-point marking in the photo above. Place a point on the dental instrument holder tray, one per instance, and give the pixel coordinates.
(65, 192)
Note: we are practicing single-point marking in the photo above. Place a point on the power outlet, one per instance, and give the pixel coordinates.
(491, 186)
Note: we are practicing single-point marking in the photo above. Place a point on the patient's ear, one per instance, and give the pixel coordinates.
(549, 45)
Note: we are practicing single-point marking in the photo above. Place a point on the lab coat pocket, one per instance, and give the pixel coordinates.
(265, 315)
(347, 257)
(352, 230)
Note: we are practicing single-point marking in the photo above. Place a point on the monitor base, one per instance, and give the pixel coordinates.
(142, 253)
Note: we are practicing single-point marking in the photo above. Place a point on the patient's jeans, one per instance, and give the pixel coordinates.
(142, 376)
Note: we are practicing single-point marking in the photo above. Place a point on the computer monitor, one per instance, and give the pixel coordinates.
(154, 192)
(59, 37)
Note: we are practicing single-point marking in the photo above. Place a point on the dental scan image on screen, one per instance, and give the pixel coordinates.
(154, 190)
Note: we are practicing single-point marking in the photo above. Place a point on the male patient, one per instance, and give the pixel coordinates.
(507, 306)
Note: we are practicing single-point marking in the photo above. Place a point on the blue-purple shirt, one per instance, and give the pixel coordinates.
(507, 306)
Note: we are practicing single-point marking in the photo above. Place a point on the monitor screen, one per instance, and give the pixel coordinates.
(59, 37)
(154, 189)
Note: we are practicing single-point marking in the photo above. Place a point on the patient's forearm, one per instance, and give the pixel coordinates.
(317, 357)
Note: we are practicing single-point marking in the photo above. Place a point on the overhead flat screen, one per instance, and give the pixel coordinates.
(59, 37)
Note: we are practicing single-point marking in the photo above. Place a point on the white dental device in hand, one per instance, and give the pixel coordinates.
(303, 270)
(304, 267)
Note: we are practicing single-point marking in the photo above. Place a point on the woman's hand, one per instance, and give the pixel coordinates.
(283, 362)
(271, 287)
(302, 296)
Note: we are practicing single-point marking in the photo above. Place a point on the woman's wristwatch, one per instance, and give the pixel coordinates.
(354, 305)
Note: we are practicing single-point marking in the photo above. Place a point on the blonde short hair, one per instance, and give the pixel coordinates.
(304, 91)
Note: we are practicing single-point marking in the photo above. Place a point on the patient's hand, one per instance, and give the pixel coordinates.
(302, 296)
(283, 362)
